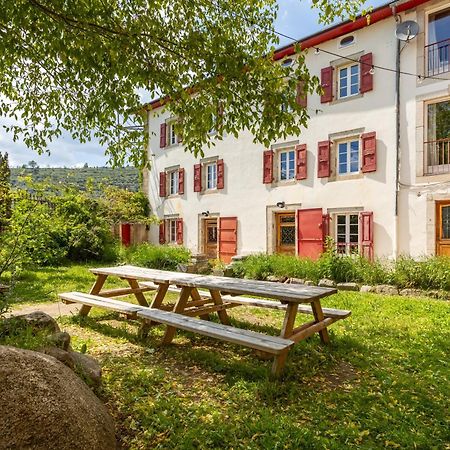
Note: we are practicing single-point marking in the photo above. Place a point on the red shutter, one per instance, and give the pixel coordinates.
(301, 168)
(197, 178)
(162, 232)
(180, 231)
(366, 236)
(162, 184)
(125, 234)
(302, 96)
(323, 156)
(227, 238)
(163, 135)
(310, 235)
(181, 181)
(326, 80)
(325, 227)
(365, 66)
(268, 167)
(220, 174)
(369, 152)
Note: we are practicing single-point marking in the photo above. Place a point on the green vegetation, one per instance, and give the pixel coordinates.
(79, 178)
(427, 273)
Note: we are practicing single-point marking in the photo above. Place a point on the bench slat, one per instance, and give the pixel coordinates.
(263, 342)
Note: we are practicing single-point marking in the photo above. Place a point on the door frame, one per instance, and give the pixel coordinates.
(278, 215)
(271, 225)
(201, 248)
(438, 226)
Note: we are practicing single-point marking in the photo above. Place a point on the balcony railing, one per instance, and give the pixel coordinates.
(438, 57)
(437, 156)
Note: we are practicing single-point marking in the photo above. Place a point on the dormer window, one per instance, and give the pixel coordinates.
(287, 62)
(346, 41)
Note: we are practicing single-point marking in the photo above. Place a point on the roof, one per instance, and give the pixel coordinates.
(380, 13)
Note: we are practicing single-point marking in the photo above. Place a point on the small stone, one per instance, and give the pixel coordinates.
(87, 367)
(61, 355)
(296, 281)
(367, 288)
(348, 286)
(60, 340)
(310, 283)
(238, 258)
(276, 279)
(408, 292)
(386, 289)
(325, 282)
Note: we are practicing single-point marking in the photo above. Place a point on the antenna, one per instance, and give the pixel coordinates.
(407, 31)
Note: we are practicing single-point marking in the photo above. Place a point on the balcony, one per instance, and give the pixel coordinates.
(438, 57)
(437, 157)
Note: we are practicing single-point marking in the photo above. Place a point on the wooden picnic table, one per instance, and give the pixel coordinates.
(291, 298)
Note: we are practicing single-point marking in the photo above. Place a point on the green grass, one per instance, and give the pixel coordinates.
(382, 383)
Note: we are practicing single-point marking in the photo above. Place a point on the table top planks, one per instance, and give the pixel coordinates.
(280, 291)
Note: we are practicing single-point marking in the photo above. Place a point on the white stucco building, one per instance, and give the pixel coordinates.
(353, 174)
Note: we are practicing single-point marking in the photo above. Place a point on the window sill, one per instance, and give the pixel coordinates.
(210, 191)
(284, 183)
(173, 196)
(354, 176)
(346, 99)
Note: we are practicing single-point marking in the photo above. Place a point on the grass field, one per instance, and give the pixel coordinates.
(382, 383)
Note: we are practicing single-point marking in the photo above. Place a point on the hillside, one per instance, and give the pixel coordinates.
(125, 177)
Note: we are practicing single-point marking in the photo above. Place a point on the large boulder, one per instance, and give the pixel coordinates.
(44, 405)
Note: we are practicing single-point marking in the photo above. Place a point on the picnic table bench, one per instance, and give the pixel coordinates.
(200, 295)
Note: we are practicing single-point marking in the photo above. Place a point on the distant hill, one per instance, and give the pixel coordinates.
(124, 177)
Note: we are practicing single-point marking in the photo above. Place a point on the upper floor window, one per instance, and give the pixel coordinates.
(348, 157)
(346, 41)
(438, 48)
(172, 134)
(173, 182)
(286, 165)
(348, 81)
(211, 175)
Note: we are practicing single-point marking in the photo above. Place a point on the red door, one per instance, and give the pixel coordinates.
(126, 234)
(227, 238)
(310, 233)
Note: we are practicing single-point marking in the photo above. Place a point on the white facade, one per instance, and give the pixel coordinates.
(341, 121)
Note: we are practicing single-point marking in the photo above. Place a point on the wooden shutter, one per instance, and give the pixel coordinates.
(301, 165)
(163, 135)
(325, 227)
(268, 167)
(162, 184)
(179, 231)
(181, 181)
(369, 152)
(323, 159)
(365, 66)
(197, 178)
(162, 232)
(310, 234)
(326, 80)
(227, 238)
(366, 234)
(220, 174)
(302, 96)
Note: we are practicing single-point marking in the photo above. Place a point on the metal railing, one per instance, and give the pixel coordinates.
(438, 57)
(437, 156)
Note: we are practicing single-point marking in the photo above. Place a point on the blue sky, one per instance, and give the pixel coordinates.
(295, 18)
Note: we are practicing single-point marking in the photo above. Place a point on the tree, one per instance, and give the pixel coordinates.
(5, 191)
(78, 66)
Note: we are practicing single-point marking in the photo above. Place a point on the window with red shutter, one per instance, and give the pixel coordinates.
(181, 181)
(302, 96)
(326, 79)
(369, 152)
(301, 165)
(162, 232)
(268, 167)
(323, 159)
(162, 184)
(180, 231)
(366, 236)
(163, 135)
(220, 174)
(366, 83)
(197, 178)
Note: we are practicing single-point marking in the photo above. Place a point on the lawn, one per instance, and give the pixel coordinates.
(382, 383)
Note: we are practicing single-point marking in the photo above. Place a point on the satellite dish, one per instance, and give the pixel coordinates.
(406, 31)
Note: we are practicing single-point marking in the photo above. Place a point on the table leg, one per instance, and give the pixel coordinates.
(196, 297)
(156, 303)
(179, 308)
(217, 299)
(318, 316)
(286, 331)
(95, 289)
(140, 297)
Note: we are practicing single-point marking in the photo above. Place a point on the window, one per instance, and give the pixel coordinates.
(438, 48)
(348, 157)
(348, 81)
(346, 41)
(173, 182)
(211, 176)
(347, 233)
(172, 134)
(172, 230)
(437, 144)
(286, 164)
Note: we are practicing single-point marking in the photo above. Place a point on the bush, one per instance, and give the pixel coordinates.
(162, 257)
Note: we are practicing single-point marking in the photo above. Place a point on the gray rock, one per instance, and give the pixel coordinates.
(386, 289)
(37, 320)
(296, 281)
(45, 405)
(310, 283)
(60, 340)
(348, 286)
(325, 282)
(60, 354)
(367, 288)
(87, 367)
(409, 292)
(276, 279)
(218, 272)
(238, 258)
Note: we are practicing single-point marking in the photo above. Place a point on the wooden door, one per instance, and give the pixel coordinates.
(227, 238)
(210, 238)
(285, 223)
(443, 228)
(310, 233)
